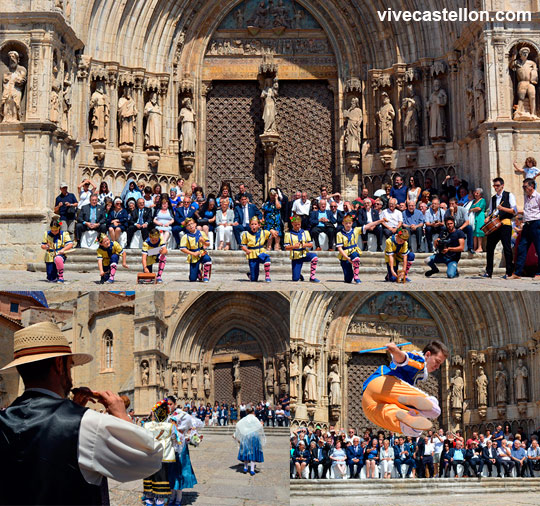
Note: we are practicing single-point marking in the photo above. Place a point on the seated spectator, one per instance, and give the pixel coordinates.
(355, 457)
(302, 207)
(178, 185)
(104, 192)
(91, 217)
(386, 197)
(490, 458)
(463, 196)
(225, 193)
(272, 219)
(371, 458)
(338, 216)
(322, 221)
(197, 198)
(533, 457)
(444, 467)
(519, 456)
(393, 217)
(473, 456)
(181, 214)
(66, 206)
(402, 207)
(339, 457)
(403, 455)
(131, 206)
(505, 458)
(86, 189)
(399, 190)
(224, 225)
(242, 190)
(301, 457)
(320, 456)
(173, 196)
(386, 457)
(359, 202)
(434, 222)
(148, 197)
(424, 199)
(117, 220)
(413, 221)
(457, 456)
(130, 191)
(164, 220)
(529, 169)
(428, 187)
(449, 251)
(156, 190)
(414, 192)
(206, 216)
(139, 219)
(242, 216)
(338, 202)
(325, 195)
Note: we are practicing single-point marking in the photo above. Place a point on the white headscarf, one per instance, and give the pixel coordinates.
(248, 427)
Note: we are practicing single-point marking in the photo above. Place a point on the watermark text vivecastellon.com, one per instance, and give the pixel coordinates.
(462, 14)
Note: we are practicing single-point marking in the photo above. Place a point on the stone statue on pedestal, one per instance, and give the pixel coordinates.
(152, 113)
(456, 390)
(527, 78)
(145, 373)
(14, 80)
(99, 106)
(184, 378)
(520, 379)
(174, 380)
(294, 374)
(187, 120)
(334, 381)
(236, 371)
(500, 385)
(482, 386)
(194, 380)
(386, 115)
(411, 107)
(310, 385)
(353, 132)
(269, 382)
(437, 119)
(127, 115)
(206, 379)
(269, 95)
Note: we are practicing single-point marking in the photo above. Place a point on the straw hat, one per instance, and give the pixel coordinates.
(41, 341)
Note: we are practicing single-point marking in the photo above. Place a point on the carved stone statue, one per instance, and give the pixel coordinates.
(99, 105)
(187, 120)
(206, 379)
(66, 104)
(479, 88)
(310, 385)
(520, 379)
(236, 371)
(500, 384)
(280, 15)
(335, 386)
(194, 380)
(353, 132)
(482, 387)
(152, 113)
(145, 373)
(294, 374)
(55, 104)
(269, 381)
(184, 378)
(386, 115)
(456, 390)
(174, 380)
(239, 18)
(260, 16)
(282, 374)
(127, 115)
(162, 378)
(411, 107)
(269, 95)
(436, 104)
(14, 81)
(527, 78)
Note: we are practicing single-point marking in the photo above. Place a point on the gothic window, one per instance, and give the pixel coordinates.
(108, 350)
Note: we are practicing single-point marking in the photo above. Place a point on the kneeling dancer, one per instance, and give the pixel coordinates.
(154, 251)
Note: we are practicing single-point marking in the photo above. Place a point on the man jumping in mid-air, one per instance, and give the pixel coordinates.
(390, 398)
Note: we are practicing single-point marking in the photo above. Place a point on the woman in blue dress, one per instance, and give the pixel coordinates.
(181, 473)
(272, 219)
(249, 434)
(234, 414)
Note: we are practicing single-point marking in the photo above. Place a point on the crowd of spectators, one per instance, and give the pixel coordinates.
(321, 454)
(423, 210)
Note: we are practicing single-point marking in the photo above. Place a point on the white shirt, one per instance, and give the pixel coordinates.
(394, 218)
(301, 209)
(84, 198)
(339, 205)
(369, 216)
(246, 215)
(429, 449)
(115, 448)
(438, 443)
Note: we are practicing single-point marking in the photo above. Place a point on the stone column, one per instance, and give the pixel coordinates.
(139, 102)
(112, 89)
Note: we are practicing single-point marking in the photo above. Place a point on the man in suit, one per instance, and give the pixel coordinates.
(365, 215)
(181, 214)
(139, 219)
(320, 456)
(242, 214)
(91, 217)
(473, 457)
(355, 457)
(403, 455)
(337, 215)
(489, 458)
(457, 456)
(322, 221)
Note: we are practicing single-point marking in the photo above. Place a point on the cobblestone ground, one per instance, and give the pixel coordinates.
(221, 481)
(506, 499)
(15, 280)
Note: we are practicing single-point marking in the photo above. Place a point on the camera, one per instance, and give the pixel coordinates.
(444, 241)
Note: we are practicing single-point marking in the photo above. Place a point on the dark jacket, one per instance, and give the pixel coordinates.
(302, 454)
(147, 216)
(361, 216)
(84, 214)
(352, 454)
(122, 217)
(325, 453)
(252, 211)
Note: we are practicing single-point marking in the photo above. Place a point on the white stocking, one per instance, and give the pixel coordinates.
(252, 467)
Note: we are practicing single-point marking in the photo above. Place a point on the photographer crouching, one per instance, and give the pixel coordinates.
(449, 245)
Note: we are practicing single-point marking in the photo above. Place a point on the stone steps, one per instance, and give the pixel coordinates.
(412, 487)
(83, 260)
(229, 429)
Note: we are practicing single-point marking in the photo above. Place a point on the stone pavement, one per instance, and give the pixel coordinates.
(237, 281)
(220, 478)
